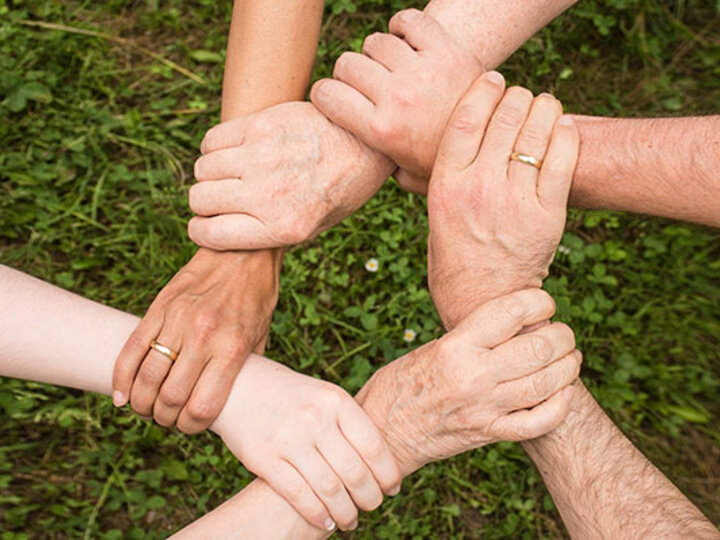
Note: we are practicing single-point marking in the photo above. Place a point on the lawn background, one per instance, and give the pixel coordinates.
(98, 138)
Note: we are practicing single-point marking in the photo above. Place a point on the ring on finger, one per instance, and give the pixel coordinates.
(528, 160)
(165, 351)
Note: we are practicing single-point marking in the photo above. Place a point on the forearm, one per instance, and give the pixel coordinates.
(270, 54)
(664, 167)
(493, 29)
(604, 487)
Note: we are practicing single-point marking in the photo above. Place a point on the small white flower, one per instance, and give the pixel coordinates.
(563, 250)
(372, 265)
(409, 335)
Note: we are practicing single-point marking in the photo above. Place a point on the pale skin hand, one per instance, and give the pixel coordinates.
(491, 30)
(475, 386)
(481, 385)
(496, 219)
(279, 177)
(308, 438)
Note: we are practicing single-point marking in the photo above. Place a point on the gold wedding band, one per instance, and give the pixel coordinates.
(165, 351)
(528, 160)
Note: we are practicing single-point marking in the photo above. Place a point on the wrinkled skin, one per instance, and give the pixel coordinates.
(478, 384)
(399, 94)
(279, 178)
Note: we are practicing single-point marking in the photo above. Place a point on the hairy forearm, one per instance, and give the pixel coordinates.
(604, 487)
(664, 167)
(493, 29)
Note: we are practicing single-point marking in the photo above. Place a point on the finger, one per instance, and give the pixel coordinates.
(220, 164)
(352, 471)
(390, 51)
(152, 373)
(132, 355)
(232, 232)
(344, 106)
(328, 487)
(539, 386)
(420, 30)
(363, 74)
(177, 388)
(496, 321)
(291, 486)
(410, 182)
(529, 353)
(218, 197)
(211, 391)
(558, 167)
(533, 141)
(225, 135)
(466, 128)
(538, 421)
(504, 127)
(367, 440)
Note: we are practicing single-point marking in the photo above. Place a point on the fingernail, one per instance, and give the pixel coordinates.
(118, 398)
(329, 525)
(568, 393)
(495, 77)
(565, 120)
(320, 89)
(394, 491)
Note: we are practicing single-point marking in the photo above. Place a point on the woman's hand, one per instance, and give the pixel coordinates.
(495, 223)
(477, 384)
(310, 441)
(278, 178)
(214, 313)
(397, 96)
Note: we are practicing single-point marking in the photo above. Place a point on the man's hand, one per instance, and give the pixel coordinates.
(495, 223)
(477, 384)
(398, 95)
(310, 440)
(214, 312)
(279, 178)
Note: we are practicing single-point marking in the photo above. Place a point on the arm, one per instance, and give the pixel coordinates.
(482, 385)
(292, 149)
(602, 485)
(665, 167)
(230, 296)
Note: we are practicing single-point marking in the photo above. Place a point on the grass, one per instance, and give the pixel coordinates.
(102, 115)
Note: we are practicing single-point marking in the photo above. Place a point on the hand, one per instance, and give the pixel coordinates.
(477, 384)
(279, 178)
(495, 224)
(310, 441)
(398, 95)
(214, 312)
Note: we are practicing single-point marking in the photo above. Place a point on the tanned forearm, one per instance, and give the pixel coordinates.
(604, 487)
(667, 167)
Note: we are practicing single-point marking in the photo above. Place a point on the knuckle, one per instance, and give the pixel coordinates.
(540, 385)
(331, 486)
(383, 128)
(311, 415)
(371, 41)
(534, 134)
(206, 322)
(404, 96)
(465, 120)
(509, 117)
(202, 410)
(565, 332)
(152, 373)
(341, 64)
(356, 476)
(513, 306)
(374, 448)
(173, 395)
(542, 348)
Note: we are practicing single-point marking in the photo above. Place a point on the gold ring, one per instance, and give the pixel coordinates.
(165, 351)
(528, 160)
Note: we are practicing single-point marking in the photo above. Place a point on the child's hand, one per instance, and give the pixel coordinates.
(310, 441)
